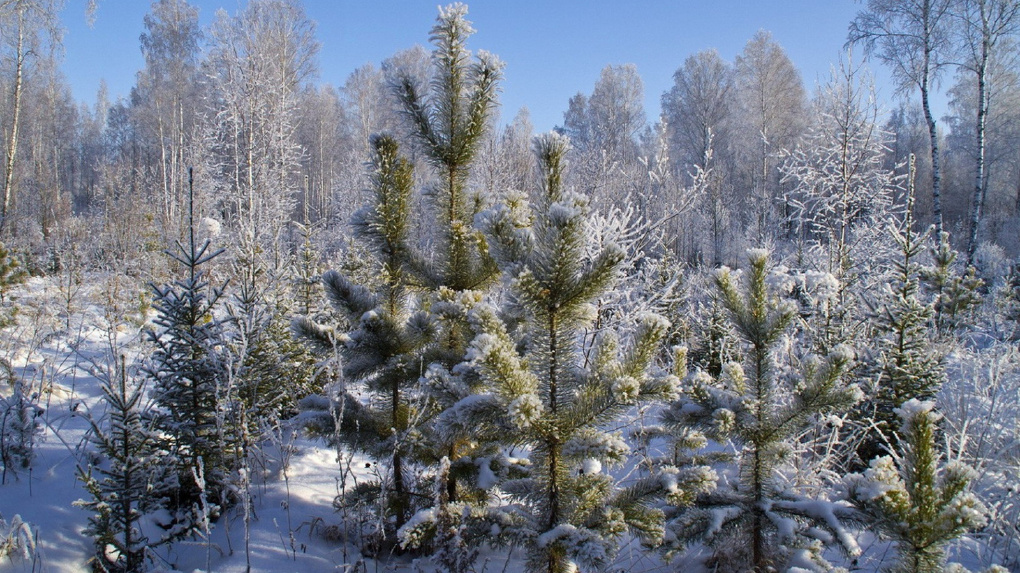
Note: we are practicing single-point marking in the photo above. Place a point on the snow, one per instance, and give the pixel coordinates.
(486, 477)
(294, 525)
(525, 410)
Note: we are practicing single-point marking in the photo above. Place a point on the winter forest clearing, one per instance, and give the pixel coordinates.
(251, 323)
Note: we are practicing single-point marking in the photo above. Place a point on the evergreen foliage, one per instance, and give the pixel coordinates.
(187, 369)
(125, 483)
(953, 294)
(916, 500)
(908, 364)
(386, 346)
(757, 523)
(449, 118)
(308, 281)
(273, 369)
(19, 427)
(542, 394)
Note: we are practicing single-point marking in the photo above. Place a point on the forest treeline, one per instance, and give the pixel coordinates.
(751, 333)
(239, 101)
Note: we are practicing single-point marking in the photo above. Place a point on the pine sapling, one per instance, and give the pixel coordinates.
(385, 348)
(449, 119)
(542, 395)
(914, 498)
(11, 273)
(19, 427)
(759, 522)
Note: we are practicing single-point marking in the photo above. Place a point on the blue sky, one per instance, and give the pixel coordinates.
(552, 49)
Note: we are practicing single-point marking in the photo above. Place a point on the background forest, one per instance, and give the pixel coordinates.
(252, 321)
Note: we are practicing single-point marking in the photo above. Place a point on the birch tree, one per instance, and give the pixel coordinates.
(911, 37)
(29, 29)
(166, 103)
(259, 60)
(984, 26)
(698, 111)
(772, 106)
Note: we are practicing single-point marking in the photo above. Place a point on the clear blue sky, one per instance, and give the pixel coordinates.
(552, 49)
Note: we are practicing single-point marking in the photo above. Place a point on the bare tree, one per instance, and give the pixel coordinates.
(603, 129)
(165, 102)
(983, 26)
(698, 110)
(842, 189)
(29, 28)
(698, 107)
(329, 151)
(772, 103)
(912, 37)
(259, 61)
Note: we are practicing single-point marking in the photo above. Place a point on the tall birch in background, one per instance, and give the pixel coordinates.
(912, 38)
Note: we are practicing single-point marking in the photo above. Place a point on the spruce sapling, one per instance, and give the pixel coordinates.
(125, 485)
(187, 372)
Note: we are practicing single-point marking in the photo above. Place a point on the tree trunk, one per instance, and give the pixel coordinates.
(925, 84)
(977, 205)
(12, 140)
(398, 465)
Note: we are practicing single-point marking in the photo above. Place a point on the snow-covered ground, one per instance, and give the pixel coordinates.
(61, 364)
(293, 522)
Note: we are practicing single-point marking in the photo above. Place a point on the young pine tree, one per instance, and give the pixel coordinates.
(542, 393)
(389, 338)
(189, 377)
(914, 499)
(758, 522)
(449, 119)
(19, 427)
(124, 485)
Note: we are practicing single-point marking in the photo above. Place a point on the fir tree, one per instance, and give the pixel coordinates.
(757, 523)
(188, 373)
(908, 364)
(11, 273)
(542, 394)
(385, 348)
(125, 485)
(953, 294)
(916, 500)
